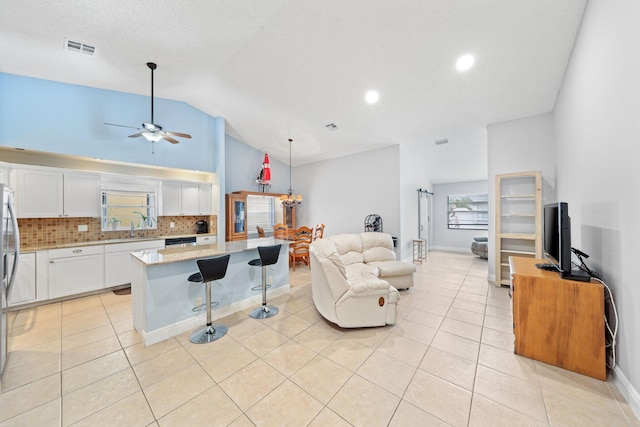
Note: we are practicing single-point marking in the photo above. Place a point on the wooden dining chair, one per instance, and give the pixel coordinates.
(318, 232)
(280, 231)
(299, 250)
(260, 231)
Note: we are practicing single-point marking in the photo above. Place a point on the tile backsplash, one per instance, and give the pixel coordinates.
(43, 232)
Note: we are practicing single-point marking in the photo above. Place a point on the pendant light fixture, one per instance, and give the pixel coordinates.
(289, 199)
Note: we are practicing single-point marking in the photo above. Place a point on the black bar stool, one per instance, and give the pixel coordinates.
(268, 256)
(210, 269)
(257, 263)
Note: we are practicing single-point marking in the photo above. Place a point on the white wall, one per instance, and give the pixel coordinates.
(598, 132)
(519, 146)
(453, 240)
(243, 164)
(341, 192)
(414, 174)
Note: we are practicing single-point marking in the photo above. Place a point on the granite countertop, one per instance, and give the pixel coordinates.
(184, 253)
(109, 242)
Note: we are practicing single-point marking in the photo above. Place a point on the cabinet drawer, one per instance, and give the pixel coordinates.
(206, 240)
(76, 251)
(134, 246)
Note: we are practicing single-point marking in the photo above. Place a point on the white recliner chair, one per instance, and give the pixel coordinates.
(347, 290)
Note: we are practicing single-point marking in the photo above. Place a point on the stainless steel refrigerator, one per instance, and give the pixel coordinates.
(9, 254)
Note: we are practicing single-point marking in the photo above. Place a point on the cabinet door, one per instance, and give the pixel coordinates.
(4, 173)
(81, 195)
(190, 199)
(171, 198)
(205, 194)
(24, 287)
(39, 194)
(117, 259)
(74, 275)
(117, 268)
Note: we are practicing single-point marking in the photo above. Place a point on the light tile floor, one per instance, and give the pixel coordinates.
(448, 361)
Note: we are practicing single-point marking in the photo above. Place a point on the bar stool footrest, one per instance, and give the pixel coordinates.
(203, 307)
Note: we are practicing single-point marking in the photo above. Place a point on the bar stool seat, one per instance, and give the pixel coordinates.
(210, 269)
(268, 256)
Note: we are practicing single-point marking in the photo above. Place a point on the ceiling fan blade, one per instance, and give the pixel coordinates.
(171, 140)
(122, 126)
(135, 135)
(182, 135)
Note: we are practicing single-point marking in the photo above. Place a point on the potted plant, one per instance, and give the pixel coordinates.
(114, 222)
(146, 221)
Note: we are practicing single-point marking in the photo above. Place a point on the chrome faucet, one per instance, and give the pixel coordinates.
(133, 234)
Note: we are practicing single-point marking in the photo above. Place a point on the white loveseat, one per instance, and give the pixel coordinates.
(354, 279)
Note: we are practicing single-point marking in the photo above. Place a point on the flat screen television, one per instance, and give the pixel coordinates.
(556, 239)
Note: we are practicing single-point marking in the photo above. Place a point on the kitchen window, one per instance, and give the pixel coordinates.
(124, 210)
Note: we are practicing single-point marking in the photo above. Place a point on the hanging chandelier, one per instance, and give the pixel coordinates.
(289, 200)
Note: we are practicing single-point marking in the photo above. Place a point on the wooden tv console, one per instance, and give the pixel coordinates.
(558, 321)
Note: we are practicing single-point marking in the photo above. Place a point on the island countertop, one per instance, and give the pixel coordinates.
(183, 253)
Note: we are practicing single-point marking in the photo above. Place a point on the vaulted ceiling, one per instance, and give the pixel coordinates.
(276, 69)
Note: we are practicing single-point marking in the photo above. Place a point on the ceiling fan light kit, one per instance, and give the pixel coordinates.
(150, 131)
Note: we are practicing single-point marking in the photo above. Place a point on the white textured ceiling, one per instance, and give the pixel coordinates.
(276, 69)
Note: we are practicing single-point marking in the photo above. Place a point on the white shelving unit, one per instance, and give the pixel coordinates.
(518, 220)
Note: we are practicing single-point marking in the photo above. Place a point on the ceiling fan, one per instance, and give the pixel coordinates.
(150, 131)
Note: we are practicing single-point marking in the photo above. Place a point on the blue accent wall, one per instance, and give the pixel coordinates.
(69, 119)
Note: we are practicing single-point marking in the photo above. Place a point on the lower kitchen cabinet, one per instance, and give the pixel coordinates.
(117, 258)
(75, 270)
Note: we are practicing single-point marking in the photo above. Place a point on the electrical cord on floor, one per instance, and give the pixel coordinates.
(613, 333)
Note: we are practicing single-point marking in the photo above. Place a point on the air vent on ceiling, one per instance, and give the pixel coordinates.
(331, 126)
(441, 141)
(79, 47)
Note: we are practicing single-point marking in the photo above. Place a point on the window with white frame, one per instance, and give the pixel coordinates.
(468, 212)
(260, 212)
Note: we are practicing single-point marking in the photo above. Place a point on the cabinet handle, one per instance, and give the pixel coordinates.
(77, 251)
(51, 262)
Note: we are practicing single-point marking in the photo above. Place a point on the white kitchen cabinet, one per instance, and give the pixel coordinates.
(206, 198)
(5, 168)
(186, 198)
(171, 198)
(81, 195)
(75, 270)
(24, 287)
(39, 193)
(190, 199)
(117, 259)
(50, 193)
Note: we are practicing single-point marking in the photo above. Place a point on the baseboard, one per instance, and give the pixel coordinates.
(150, 338)
(451, 249)
(627, 390)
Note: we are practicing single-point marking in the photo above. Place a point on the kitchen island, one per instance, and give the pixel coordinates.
(162, 299)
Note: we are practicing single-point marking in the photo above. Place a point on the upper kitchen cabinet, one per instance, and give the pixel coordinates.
(50, 193)
(186, 198)
(4, 173)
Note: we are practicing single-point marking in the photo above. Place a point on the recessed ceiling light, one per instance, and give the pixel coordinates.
(372, 97)
(465, 62)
